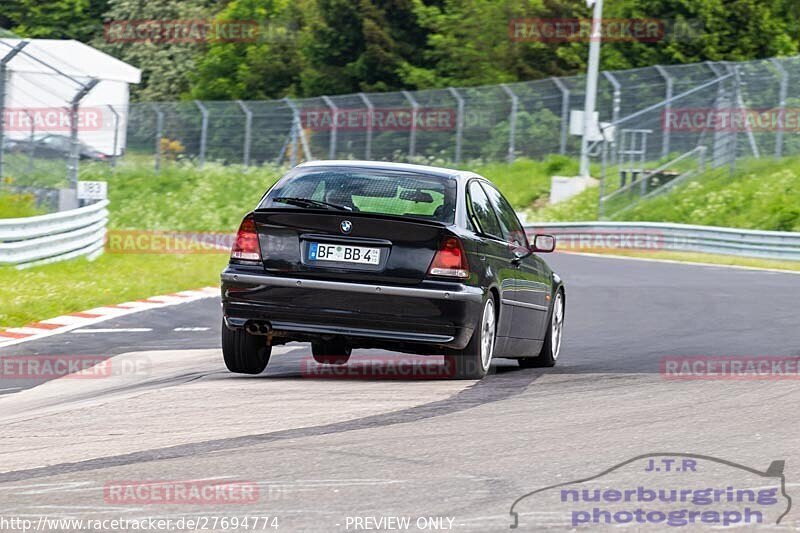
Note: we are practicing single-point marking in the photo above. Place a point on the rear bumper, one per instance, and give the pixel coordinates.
(433, 313)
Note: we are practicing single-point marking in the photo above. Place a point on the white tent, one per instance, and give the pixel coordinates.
(47, 74)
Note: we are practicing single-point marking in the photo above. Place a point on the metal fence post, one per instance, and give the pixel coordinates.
(370, 118)
(159, 134)
(740, 103)
(74, 151)
(512, 121)
(601, 204)
(412, 135)
(334, 127)
(781, 106)
(3, 81)
(701, 161)
(666, 131)
(297, 131)
(33, 132)
(616, 103)
(459, 122)
(203, 133)
(293, 146)
(726, 143)
(562, 147)
(617, 95)
(116, 136)
(248, 132)
(293, 135)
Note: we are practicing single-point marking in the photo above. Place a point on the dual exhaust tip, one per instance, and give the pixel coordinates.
(258, 328)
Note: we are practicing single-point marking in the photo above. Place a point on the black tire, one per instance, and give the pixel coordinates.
(470, 363)
(331, 353)
(547, 358)
(244, 353)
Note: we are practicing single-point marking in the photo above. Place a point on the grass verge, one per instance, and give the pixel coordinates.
(51, 290)
(762, 194)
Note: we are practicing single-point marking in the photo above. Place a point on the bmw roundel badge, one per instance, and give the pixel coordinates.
(346, 226)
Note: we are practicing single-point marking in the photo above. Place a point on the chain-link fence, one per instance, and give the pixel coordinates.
(491, 123)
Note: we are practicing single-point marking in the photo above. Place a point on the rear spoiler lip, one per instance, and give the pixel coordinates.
(353, 214)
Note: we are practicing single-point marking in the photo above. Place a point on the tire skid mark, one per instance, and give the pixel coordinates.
(493, 388)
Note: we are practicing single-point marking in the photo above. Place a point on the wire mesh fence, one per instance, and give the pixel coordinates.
(491, 123)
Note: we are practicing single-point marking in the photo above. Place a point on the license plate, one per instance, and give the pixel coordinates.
(343, 253)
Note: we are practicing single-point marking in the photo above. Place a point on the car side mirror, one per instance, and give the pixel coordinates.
(543, 243)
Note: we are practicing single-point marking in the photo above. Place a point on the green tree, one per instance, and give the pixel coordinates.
(262, 68)
(473, 42)
(716, 30)
(166, 65)
(54, 19)
(362, 45)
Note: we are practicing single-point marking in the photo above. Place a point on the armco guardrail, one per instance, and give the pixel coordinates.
(655, 236)
(31, 241)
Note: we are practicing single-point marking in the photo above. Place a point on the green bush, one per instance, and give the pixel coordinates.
(18, 205)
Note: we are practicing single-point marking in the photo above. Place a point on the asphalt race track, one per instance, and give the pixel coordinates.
(324, 452)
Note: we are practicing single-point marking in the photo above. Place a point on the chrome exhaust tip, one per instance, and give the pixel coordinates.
(258, 328)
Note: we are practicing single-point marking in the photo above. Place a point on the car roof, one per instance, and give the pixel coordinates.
(386, 165)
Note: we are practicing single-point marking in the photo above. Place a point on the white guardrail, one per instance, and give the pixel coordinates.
(655, 236)
(31, 241)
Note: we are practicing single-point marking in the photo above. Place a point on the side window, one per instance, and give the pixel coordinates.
(482, 211)
(513, 232)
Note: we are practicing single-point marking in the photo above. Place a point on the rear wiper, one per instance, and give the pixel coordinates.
(308, 202)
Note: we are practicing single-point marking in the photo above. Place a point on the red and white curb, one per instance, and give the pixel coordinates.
(61, 324)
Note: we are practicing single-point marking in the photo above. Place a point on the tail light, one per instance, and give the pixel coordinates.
(246, 245)
(450, 260)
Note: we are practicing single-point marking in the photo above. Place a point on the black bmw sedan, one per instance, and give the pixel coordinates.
(410, 258)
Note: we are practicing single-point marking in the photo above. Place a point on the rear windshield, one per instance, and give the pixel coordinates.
(367, 191)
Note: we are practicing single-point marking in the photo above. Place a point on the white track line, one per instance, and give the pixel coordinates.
(111, 330)
(75, 321)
